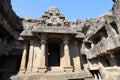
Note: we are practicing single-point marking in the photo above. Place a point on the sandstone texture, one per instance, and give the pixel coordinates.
(51, 47)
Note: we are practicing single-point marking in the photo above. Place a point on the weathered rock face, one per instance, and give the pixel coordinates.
(10, 27)
(99, 49)
(116, 10)
(102, 44)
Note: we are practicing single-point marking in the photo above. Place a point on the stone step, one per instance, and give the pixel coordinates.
(52, 78)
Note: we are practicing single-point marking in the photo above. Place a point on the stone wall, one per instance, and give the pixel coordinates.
(101, 45)
(99, 51)
(10, 27)
(116, 12)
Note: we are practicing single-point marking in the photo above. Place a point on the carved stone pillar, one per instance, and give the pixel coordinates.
(36, 58)
(62, 61)
(67, 67)
(76, 59)
(23, 60)
(42, 65)
(30, 59)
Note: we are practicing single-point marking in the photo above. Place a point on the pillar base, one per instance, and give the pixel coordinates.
(41, 69)
(68, 69)
(22, 71)
(29, 70)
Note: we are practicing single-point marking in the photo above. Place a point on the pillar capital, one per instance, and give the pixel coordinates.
(43, 41)
(66, 39)
(65, 42)
(26, 45)
(43, 38)
(31, 42)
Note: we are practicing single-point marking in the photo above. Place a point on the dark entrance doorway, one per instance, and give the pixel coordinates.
(53, 54)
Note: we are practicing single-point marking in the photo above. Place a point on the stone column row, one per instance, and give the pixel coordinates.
(24, 67)
(41, 61)
(42, 56)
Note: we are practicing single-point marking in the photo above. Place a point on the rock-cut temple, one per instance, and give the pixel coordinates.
(52, 47)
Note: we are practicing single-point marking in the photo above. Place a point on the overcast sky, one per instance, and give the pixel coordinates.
(72, 9)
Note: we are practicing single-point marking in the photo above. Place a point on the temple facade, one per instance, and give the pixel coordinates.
(52, 47)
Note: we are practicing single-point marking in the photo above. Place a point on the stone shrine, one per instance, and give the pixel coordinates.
(52, 47)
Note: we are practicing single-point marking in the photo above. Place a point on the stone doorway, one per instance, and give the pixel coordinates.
(53, 54)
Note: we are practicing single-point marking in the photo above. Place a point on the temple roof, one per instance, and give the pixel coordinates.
(52, 21)
(64, 30)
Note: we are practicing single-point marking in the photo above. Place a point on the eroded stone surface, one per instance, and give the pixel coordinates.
(87, 47)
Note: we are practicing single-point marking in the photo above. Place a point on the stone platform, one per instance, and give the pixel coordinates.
(53, 76)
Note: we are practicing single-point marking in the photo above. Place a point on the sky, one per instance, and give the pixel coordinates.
(72, 9)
